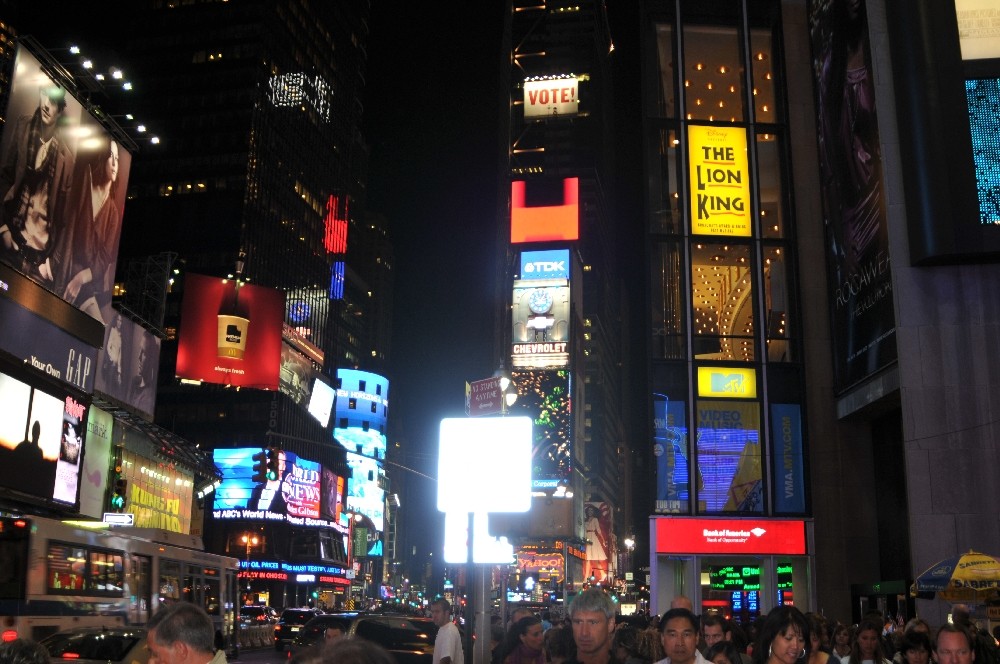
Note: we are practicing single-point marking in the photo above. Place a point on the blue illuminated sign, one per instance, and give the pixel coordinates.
(337, 281)
(549, 264)
(983, 96)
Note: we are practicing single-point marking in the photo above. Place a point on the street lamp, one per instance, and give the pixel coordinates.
(250, 540)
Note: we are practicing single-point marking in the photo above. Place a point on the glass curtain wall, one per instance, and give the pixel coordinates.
(722, 293)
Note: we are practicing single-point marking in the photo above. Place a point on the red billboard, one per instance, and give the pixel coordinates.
(230, 335)
(545, 223)
(730, 536)
(63, 179)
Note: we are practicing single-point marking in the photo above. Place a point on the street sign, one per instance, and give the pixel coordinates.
(484, 397)
(119, 519)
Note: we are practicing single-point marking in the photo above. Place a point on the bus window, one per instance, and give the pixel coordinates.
(67, 567)
(107, 574)
(170, 582)
(139, 590)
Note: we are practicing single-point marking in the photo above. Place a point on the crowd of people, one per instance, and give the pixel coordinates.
(592, 634)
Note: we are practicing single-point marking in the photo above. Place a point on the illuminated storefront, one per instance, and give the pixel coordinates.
(726, 376)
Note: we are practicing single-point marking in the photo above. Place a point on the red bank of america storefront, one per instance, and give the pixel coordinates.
(740, 568)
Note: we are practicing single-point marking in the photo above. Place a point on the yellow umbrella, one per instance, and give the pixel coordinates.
(971, 577)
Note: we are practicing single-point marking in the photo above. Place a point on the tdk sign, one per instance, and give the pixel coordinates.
(549, 264)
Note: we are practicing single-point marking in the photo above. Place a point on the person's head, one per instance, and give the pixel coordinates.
(953, 645)
(356, 651)
(441, 612)
(867, 642)
(517, 614)
(723, 652)
(713, 629)
(559, 644)
(961, 615)
(917, 625)
(916, 647)
(104, 166)
(180, 634)
(817, 631)
(592, 615)
(625, 644)
(528, 632)
(22, 651)
(783, 636)
(333, 632)
(679, 635)
(841, 635)
(682, 602)
(51, 103)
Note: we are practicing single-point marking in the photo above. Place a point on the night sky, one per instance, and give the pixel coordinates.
(432, 106)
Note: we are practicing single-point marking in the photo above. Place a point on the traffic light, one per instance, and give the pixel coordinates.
(272, 463)
(259, 467)
(118, 497)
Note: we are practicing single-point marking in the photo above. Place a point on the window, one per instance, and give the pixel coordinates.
(81, 570)
(722, 302)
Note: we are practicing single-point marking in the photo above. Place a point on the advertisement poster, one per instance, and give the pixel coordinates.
(670, 449)
(41, 441)
(96, 461)
(365, 494)
(159, 496)
(599, 533)
(729, 457)
(788, 470)
(63, 191)
(230, 336)
(544, 396)
(720, 181)
(857, 239)
(294, 495)
(129, 364)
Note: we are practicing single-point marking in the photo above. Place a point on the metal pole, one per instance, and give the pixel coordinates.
(470, 567)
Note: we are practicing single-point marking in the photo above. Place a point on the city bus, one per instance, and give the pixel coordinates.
(57, 575)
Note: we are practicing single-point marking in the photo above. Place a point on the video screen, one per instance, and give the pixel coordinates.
(295, 493)
(364, 495)
(321, 402)
(41, 441)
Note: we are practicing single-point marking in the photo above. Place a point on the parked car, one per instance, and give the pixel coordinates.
(409, 639)
(114, 645)
(257, 614)
(289, 625)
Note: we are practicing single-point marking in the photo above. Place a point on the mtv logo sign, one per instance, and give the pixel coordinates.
(729, 383)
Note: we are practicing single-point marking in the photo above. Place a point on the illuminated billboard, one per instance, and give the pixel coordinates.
(293, 496)
(306, 310)
(548, 264)
(600, 535)
(544, 396)
(720, 181)
(670, 450)
(365, 494)
(295, 375)
(729, 457)
(42, 435)
(94, 476)
(727, 382)
(321, 401)
(548, 221)
(978, 28)
(230, 336)
(361, 408)
(63, 184)
(159, 496)
(550, 97)
(128, 364)
(334, 487)
(983, 96)
(540, 319)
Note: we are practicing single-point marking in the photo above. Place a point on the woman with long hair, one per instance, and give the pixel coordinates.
(867, 645)
(841, 642)
(783, 637)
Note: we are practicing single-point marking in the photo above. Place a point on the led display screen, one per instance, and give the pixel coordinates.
(295, 375)
(983, 96)
(361, 408)
(333, 495)
(62, 203)
(365, 494)
(548, 264)
(159, 496)
(545, 222)
(42, 435)
(730, 536)
(230, 336)
(544, 396)
(729, 457)
(540, 320)
(294, 495)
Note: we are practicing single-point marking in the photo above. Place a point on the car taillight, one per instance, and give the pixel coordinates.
(9, 635)
(71, 655)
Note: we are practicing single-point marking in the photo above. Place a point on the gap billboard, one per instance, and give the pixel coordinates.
(63, 179)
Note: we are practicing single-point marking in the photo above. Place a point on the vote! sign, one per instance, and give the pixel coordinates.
(551, 97)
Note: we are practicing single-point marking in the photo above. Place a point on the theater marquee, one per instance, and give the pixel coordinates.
(720, 177)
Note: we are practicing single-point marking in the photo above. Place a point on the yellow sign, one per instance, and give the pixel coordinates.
(727, 382)
(720, 181)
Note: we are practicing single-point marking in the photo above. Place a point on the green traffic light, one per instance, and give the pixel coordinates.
(118, 501)
(271, 476)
